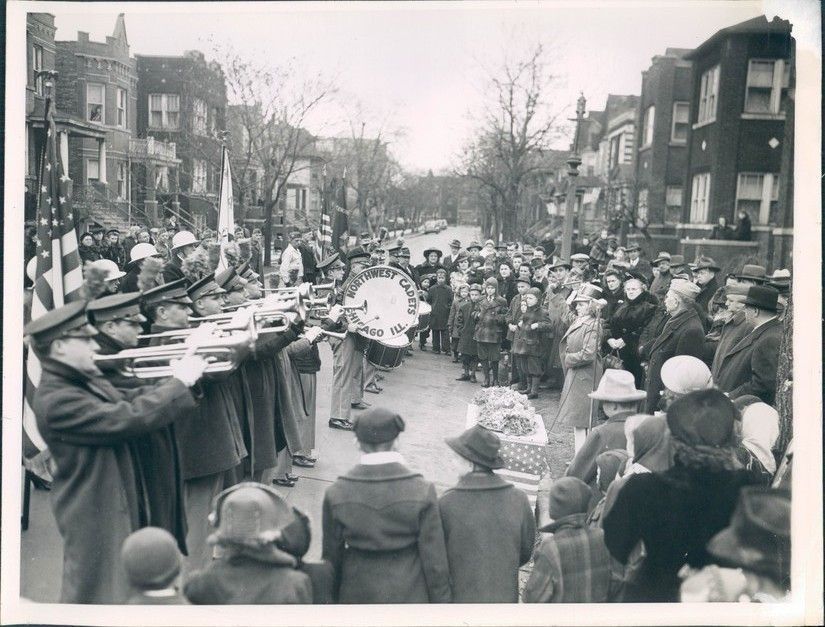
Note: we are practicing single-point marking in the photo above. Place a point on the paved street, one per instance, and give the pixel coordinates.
(423, 390)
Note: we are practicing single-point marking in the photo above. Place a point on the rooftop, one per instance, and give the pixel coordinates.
(755, 26)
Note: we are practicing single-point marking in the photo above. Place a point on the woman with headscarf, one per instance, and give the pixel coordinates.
(676, 512)
(760, 429)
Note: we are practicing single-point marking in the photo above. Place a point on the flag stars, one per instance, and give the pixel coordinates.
(44, 189)
(44, 222)
(61, 199)
(45, 254)
(48, 167)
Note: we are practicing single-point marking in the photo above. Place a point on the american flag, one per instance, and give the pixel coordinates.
(324, 228)
(524, 464)
(59, 274)
(340, 225)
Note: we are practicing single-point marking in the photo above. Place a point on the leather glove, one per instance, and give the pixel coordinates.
(188, 370)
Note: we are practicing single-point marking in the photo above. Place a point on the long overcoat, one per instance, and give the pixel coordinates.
(465, 324)
(87, 424)
(608, 435)
(682, 334)
(293, 413)
(440, 298)
(555, 302)
(492, 315)
(750, 366)
(382, 534)
(451, 325)
(490, 530)
(526, 340)
(579, 352)
(732, 332)
(513, 315)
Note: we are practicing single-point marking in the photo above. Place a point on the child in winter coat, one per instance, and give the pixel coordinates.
(527, 354)
(465, 324)
(462, 291)
(513, 318)
(440, 297)
(426, 281)
(491, 318)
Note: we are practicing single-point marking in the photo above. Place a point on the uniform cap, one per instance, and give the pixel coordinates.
(142, 251)
(206, 286)
(110, 268)
(378, 425)
(116, 307)
(172, 292)
(357, 253)
(183, 238)
(151, 558)
(405, 252)
(229, 280)
(66, 321)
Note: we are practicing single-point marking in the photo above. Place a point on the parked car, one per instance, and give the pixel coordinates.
(442, 224)
(431, 226)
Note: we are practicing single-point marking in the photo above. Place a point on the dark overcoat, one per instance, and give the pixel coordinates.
(513, 315)
(382, 534)
(614, 300)
(427, 270)
(156, 457)
(675, 513)
(490, 530)
(241, 580)
(555, 302)
(682, 334)
(87, 424)
(705, 298)
(660, 285)
(731, 333)
(440, 298)
(492, 316)
(750, 366)
(579, 351)
(451, 325)
(628, 323)
(465, 324)
(526, 340)
(507, 287)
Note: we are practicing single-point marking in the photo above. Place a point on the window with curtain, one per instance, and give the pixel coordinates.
(708, 89)
(673, 204)
(92, 170)
(767, 86)
(37, 66)
(681, 122)
(164, 111)
(758, 194)
(198, 176)
(700, 198)
(199, 122)
(95, 102)
(647, 126)
(121, 180)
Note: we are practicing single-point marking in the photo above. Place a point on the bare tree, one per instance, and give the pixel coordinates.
(518, 123)
(274, 105)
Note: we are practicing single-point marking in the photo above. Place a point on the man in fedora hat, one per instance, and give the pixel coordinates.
(634, 253)
(661, 282)
(488, 524)
(572, 564)
(88, 424)
(749, 367)
(382, 529)
(618, 398)
(449, 261)
(704, 276)
(729, 326)
(752, 274)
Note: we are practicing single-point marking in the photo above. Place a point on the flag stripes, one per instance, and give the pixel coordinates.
(59, 275)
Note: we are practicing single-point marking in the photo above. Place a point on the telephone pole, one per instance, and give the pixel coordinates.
(573, 163)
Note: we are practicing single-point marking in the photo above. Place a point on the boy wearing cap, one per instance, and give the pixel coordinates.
(381, 524)
(750, 366)
(488, 524)
(572, 564)
(87, 424)
(465, 327)
(449, 262)
(490, 317)
(440, 297)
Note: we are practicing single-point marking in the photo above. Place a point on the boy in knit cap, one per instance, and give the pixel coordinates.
(572, 565)
(152, 561)
(491, 317)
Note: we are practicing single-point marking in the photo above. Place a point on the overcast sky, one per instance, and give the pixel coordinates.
(421, 63)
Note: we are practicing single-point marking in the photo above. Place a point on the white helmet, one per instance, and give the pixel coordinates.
(183, 238)
(31, 269)
(142, 251)
(110, 267)
(684, 373)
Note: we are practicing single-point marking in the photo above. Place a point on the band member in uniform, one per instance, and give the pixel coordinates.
(87, 424)
(119, 323)
(404, 262)
(209, 437)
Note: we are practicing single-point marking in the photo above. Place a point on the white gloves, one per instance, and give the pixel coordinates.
(188, 370)
(335, 313)
(312, 333)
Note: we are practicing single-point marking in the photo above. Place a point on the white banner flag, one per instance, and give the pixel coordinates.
(226, 209)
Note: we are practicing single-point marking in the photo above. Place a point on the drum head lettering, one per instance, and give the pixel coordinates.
(382, 302)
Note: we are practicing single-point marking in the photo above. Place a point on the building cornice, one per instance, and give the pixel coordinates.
(40, 29)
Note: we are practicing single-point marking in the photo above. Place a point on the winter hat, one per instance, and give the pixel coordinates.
(609, 464)
(378, 425)
(684, 373)
(150, 558)
(568, 496)
(534, 291)
(478, 445)
(475, 287)
(685, 289)
(491, 281)
(702, 418)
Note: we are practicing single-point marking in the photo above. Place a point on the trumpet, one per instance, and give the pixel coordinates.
(224, 355)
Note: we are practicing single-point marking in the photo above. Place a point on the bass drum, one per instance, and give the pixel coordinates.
(425, 312)
(387, 353)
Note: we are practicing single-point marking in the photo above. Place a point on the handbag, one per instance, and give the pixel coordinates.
(613, 361)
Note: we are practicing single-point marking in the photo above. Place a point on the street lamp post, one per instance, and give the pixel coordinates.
(573, 163)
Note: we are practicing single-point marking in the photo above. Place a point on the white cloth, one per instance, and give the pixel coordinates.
(760, 429)
(291, 259)
(382, 457)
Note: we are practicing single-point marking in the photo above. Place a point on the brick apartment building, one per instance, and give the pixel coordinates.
(181, 101)
(97, 84)
(740, 137)
(662, 138)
